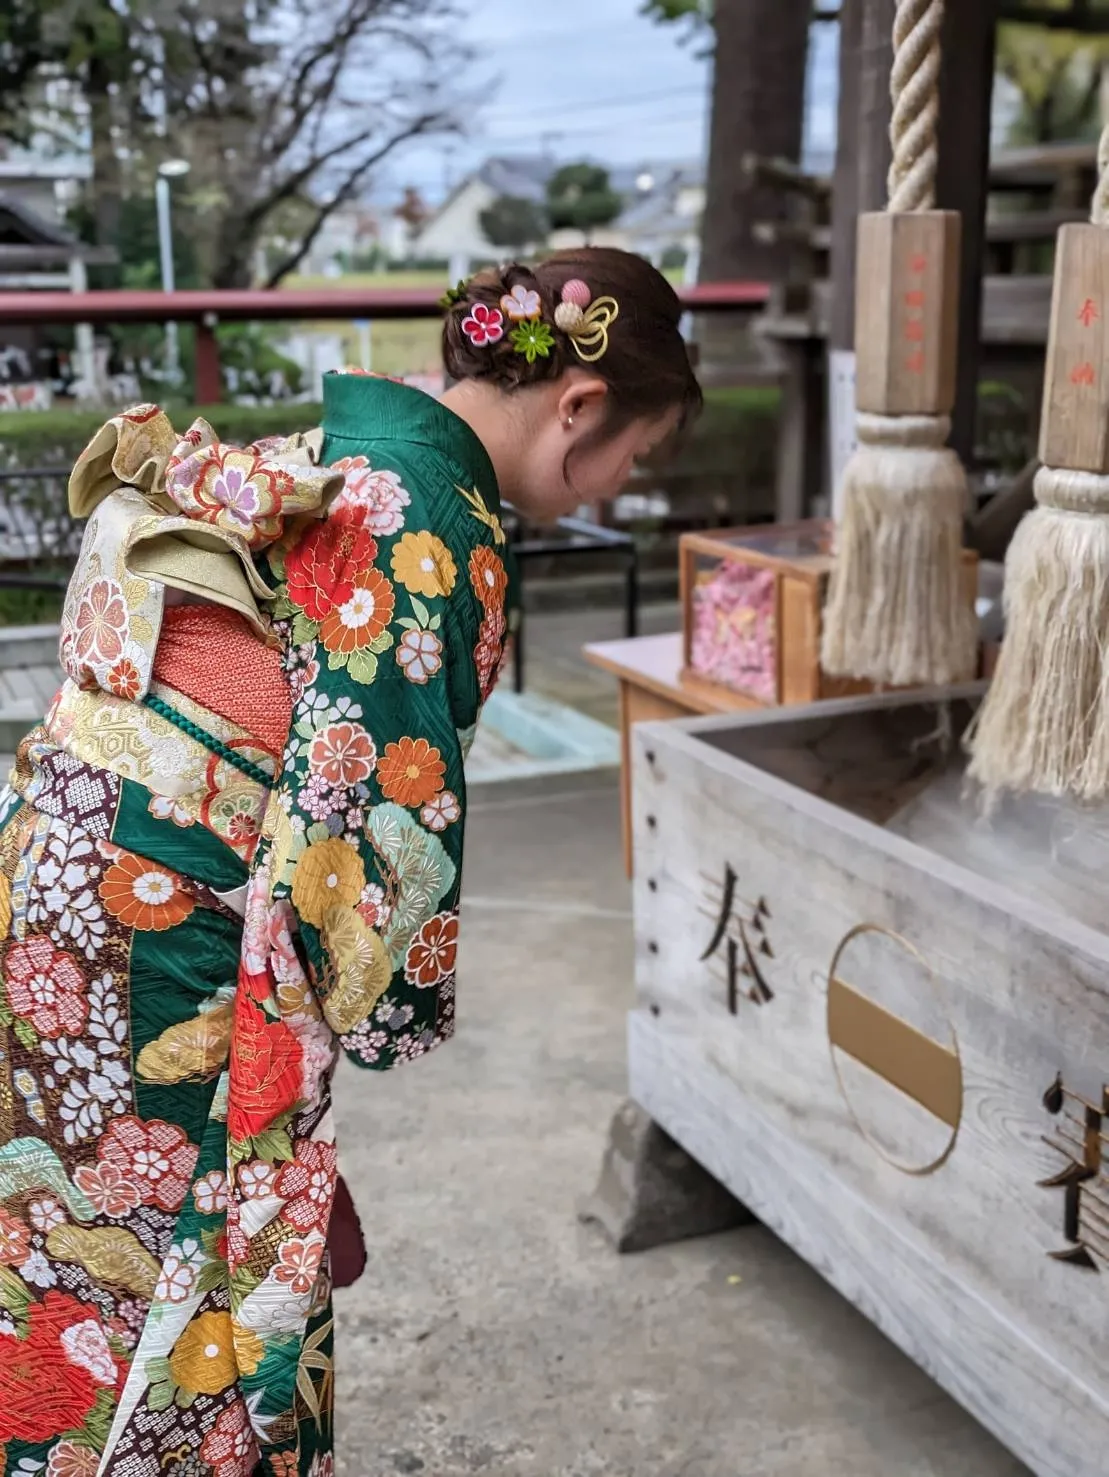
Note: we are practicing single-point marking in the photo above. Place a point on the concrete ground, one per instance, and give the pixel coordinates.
(492, 1333)
(556, 669)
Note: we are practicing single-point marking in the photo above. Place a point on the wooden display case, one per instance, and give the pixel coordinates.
(752, 603)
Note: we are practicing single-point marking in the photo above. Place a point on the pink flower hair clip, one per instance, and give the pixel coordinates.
(586, 320)
(483, 326)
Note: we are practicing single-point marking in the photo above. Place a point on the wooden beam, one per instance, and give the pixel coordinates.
(816, 239)
(966, 91)
(993, 526)
(757, 169)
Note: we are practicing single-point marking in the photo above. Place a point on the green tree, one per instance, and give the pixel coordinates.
(694, 14)
(580, 197)
(282, 107)
(1058, 76)
(514, 222)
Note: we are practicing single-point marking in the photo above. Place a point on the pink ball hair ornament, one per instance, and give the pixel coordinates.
(577, 292)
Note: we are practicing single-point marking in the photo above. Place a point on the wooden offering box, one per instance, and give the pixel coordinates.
(883, 1022)
(752, 603)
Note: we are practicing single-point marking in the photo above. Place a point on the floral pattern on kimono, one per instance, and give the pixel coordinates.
(394, 613)
(191, 926)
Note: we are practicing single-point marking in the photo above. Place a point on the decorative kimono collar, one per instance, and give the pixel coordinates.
(363, 407)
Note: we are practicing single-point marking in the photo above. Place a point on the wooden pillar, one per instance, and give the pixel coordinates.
(845, 216)
(845, 182)
(208, 384)
(862, 166)
(962, 183)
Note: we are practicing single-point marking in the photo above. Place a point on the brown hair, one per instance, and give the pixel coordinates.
(646, 365)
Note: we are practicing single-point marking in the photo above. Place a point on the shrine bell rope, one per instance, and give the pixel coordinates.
(1044, 726)
(898, 612)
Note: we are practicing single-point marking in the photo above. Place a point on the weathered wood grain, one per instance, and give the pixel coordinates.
(1054, 1421)
(1015, 986)
(906, 312)
(1074, 431)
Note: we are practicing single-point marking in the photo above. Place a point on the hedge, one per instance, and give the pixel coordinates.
(55, 438)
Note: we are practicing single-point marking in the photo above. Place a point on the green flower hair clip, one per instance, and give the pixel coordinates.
(533, 339)
(454, 295)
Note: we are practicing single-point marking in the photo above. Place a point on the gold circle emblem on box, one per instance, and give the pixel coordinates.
(902, 1084)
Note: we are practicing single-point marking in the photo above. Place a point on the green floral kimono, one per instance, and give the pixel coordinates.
(192, 924)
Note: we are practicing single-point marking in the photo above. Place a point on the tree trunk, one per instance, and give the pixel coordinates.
(757, 107)
(107, 174)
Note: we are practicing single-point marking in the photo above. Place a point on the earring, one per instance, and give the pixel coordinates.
(568, 423)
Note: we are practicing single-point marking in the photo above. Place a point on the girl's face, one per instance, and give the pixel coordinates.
(573, 461)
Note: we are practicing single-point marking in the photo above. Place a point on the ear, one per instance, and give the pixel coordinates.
(582, 397)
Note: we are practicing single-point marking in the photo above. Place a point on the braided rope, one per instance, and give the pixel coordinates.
(209, 741)
(915, 89)
(1099, 211)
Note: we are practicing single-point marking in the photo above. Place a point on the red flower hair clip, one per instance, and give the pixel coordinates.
(483, 326)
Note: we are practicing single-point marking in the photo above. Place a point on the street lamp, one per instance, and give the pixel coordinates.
(171, 169)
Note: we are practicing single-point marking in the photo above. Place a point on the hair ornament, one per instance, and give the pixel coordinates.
(533, 339)
(586, 322)
(522, 304)
(455, 295)
(483, 326)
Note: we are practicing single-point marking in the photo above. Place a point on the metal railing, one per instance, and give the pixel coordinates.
(585, 539)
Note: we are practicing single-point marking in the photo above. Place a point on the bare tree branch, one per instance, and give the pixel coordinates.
(345, 193)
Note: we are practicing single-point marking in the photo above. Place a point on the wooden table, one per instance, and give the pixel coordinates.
(648, 669)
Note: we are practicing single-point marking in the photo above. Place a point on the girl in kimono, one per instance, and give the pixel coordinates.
(233, 849)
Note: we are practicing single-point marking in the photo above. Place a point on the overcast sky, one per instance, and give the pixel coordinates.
(588, 77)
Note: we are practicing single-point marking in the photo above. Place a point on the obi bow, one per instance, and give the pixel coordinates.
(188, 512)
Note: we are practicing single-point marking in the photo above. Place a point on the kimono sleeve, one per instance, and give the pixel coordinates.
(370, 814)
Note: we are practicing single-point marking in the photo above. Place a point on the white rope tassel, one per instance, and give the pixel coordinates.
(897, 613)
(1044, 726)
(915, 89)
(897, 610)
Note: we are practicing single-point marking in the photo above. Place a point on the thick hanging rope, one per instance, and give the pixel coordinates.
(1044, 726)
(915, 89)
(897, 613)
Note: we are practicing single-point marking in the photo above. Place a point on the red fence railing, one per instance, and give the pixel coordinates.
(208, 309)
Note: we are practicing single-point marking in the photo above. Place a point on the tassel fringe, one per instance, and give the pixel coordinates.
(1044, 725)
(897, 611)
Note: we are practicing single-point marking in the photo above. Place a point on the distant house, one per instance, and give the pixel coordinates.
(664, 217)
(662, 211)
(37, 253)
(454, 230)
(348, 231)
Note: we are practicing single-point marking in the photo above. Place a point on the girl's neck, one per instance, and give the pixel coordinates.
(499, 428)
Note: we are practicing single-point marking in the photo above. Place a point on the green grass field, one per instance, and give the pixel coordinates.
(396, 348)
